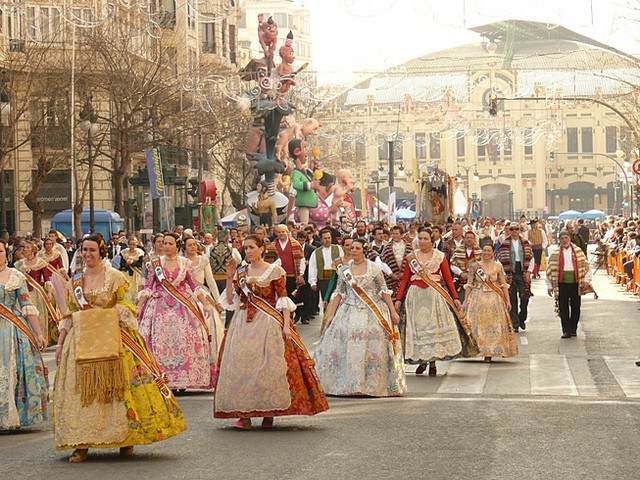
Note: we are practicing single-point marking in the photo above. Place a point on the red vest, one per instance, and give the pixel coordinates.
(286, 258)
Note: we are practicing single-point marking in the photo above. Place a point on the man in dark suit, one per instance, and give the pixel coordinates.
(307, 299)
(436, 235)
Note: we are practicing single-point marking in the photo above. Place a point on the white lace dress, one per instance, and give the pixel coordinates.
(355, 356)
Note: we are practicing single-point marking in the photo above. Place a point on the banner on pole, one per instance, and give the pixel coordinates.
(156, 179)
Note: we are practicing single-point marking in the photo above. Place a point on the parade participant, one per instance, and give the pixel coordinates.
(456, 240)
(515, 255)
(129, 405)
(130, 264)
(219, 256)
(393, 255)
(460, 260)
(23, 379)
(201, 270)
(40, 290)
(568, 277)
(434, 330)
(487, 306)
(378, 240)
(575, 238)
(289, 251)
(436, 234)
(538, 239)
(321, 267)
(55, 237)
(172, 322)
(265, 369)
(50, 253)
(306, 299)
(359, 352)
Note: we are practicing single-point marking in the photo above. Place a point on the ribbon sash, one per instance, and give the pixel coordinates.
(20, 325)
(344, 270)
(416, 268)
(55, 272)
(268, 309)
(482, 275)
(149, 362)
(178, 295)
(36, 286)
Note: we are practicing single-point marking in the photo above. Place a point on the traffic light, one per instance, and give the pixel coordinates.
(493, 104)
(552, 157)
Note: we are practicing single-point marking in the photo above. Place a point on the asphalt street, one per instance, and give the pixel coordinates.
(562, 409)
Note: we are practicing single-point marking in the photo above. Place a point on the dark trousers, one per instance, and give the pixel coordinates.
(569, 306)
(323, 286)
(517, 291)
(222, 284)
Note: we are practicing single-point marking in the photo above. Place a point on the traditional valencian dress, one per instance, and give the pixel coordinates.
(40, 275)
(143, 412)
(356, 354)
(132, 271)
(23, 383)
(174, 332)
(487, 311)
(433, 332)
(261, 374)
(202, 273)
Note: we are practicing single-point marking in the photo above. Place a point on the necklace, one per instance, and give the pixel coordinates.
(359, 263)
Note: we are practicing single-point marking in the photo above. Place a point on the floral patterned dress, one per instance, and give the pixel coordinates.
(261, 374)
(24, 393)
(488, 316)
(144, 416)
(173, 333)
(355, 356)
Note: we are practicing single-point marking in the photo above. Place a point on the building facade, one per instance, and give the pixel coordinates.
(556, 137)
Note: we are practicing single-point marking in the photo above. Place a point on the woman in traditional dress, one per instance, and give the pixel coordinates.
(487, 306)
(23, 382)
(52, 256)
(201, 270)
(40, 289)
(157, 249)
(333, 281)
(172, 321)
(265, 369)
(130, 264)
(434, 331)
(130, 405)
(360, 352)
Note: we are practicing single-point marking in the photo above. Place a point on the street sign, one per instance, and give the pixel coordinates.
(636, 167)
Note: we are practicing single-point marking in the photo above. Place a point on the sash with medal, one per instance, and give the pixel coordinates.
(469, 343)
(142, 354)
(45, 298)
(178, 295)
(268, 309)
(100, 371)
(482, 275)
(344, 271)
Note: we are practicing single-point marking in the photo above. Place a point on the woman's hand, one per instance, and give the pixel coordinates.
(395, 318)
(398, 305)
(457, 303)
(219, 307)
(508, 306)
(42, 342)
(286, 331)
(58, 354)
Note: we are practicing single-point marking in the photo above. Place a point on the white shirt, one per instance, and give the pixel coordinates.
(328, 263)
(398, 251)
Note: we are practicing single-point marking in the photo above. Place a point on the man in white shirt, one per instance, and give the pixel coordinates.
(378, 240)
(567, 274)
(321, 263)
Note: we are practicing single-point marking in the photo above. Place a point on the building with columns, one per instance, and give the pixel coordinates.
(555, 91)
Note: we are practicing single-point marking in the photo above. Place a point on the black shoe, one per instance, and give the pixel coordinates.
(305, 321)
(566, 335)
(515, 329)
(638, 363)
(573, 334)
(523, 326)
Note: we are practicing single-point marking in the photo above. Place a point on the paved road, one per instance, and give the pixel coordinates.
(562, 409)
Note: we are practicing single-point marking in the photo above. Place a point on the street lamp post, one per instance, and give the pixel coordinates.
(89, 125)
(615, 159)
(5, 109)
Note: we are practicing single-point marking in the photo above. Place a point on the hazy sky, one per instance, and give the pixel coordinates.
(371, 35)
